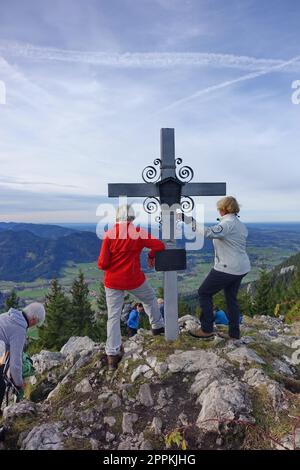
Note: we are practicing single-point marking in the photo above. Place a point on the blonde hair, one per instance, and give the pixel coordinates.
(125, 213)
(228, 204)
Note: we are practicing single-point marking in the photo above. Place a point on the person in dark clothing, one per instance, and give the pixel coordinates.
(231, 265)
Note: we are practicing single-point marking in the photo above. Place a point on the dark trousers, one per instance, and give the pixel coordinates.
(214, 282)
(2, 385)
(131, 331)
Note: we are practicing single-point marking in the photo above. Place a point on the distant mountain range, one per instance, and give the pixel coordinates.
(29, 251)
(45, 231)
(32, 251)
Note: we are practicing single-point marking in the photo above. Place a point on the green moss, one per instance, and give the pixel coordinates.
(19, 425)
(74, 443)
(157, 442)
(267, 422)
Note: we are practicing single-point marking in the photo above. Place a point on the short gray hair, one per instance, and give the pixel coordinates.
(125, 213)
(35, 311)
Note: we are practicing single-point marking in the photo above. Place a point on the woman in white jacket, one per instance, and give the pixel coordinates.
(230, 266)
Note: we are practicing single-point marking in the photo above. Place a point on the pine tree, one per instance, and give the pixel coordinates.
(82, 314)
(262, 301)
(160, 292)
(101, 299)
(245, 303)
(12, 301)
(100, 320)
(57, 329)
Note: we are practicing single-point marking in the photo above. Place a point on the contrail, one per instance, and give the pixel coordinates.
(227, 83)
(137, 59)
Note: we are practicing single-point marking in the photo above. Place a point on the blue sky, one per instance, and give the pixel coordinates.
(90, 83)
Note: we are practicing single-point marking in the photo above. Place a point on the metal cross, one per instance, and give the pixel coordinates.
(169, 186)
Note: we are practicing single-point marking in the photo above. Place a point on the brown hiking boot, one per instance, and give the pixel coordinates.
(199, 333)
(113, 361)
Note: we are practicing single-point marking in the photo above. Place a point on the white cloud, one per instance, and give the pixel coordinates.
(144, 59)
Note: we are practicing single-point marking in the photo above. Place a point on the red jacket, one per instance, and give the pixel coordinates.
(120, 255)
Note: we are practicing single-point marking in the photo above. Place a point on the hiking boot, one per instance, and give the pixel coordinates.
(199, 333)
(113, 361)
(158, 331)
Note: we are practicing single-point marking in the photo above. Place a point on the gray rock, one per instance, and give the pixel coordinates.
(162, 400)
(156, 425)
(291, 441)
(194, 361)
(245, 355)
(128, 444)
(127, 423)
(152, 361)
(77, 344)
(110, 420)
(257, 378)
(225, 401)
(186, 318)
(24, 408)
(113, 402)
(282, 367)
(183, 419)
(287, 341)
(145, 396)
(44, 437)
(83, 387)
(47, 360)
(161, 368)
(82, 361)
(205, 377)
(140, 370)
(146, 445)
(109, 437)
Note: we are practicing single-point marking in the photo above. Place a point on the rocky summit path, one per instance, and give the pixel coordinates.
(190, 394)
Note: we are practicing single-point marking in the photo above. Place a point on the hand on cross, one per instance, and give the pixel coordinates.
(151, 262)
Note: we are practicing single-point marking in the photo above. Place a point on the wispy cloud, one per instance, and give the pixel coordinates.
(143, 59)
(9, 180)
(227, 83)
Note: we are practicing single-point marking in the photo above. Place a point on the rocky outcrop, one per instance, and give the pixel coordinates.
(215, 394)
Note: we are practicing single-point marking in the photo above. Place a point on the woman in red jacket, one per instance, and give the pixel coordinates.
(120, 259)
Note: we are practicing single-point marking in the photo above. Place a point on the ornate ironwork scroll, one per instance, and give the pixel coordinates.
(151, 174)
(151, 205)
(187, 204)
(185, 173)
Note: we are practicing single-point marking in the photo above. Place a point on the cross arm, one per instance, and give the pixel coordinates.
(204, 189)
(132, 190)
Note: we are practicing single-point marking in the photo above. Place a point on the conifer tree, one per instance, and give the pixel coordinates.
(57, 329)
(82, 314)
(12, 301)
(262, 301)
(101, 300)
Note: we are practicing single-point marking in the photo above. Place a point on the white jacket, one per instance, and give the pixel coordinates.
(229, 239)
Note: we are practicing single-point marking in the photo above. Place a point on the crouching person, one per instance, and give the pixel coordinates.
(13, 331)
(120, 259)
